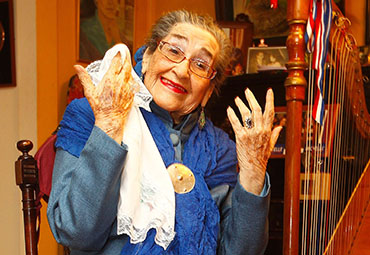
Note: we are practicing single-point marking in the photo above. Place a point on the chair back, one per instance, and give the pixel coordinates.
(34, 177)
(26, 174)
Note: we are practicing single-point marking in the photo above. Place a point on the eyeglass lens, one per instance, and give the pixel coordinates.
(175, 54)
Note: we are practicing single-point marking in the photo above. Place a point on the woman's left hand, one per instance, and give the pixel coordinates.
(255, 143)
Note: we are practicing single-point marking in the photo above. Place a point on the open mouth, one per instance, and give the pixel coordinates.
(177, 88)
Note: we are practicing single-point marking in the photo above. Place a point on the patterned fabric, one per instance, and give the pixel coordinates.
(317, 39)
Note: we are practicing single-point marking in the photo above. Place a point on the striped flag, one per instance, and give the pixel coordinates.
(317, 39)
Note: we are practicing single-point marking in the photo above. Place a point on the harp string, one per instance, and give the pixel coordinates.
(322, 154)
(306, 129)
(335, 153)
(334, 188)
(336, 173)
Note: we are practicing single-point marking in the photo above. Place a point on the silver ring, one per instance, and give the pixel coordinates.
(248, 122)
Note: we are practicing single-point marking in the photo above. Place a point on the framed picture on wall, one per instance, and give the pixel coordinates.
(7, 56)
(102, 24)
(262, 59)
(240, 34)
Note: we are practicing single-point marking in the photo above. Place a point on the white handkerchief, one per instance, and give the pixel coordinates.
(147, 197)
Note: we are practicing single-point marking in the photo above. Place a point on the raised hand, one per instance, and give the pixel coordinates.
(112, 98)
(254, 139)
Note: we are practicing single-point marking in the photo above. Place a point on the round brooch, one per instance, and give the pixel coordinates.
(182, 178)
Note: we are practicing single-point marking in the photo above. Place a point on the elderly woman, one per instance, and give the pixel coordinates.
(110, 195)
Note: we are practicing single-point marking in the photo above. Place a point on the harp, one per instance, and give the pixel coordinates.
(327, 175)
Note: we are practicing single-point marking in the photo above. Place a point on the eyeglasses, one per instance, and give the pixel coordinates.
(197, 66)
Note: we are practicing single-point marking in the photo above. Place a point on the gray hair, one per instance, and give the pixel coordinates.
(164, 25)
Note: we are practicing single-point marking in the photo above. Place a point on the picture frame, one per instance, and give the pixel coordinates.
(7, 46)
(261, 59)
(101, 25)
(268, 22)
(280, 116)
(241, 35)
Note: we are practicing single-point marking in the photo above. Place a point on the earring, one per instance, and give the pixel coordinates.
(202, 119)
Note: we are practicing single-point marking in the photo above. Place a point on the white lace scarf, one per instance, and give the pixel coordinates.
(147, 198)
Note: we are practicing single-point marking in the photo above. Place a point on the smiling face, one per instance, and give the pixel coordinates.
(173, 86)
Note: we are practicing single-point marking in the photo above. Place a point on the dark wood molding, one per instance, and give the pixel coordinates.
(7, 49)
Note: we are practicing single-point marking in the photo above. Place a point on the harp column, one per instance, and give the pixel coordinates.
(295, 86)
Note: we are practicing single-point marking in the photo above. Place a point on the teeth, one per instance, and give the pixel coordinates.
(170, 83)
(167, 81)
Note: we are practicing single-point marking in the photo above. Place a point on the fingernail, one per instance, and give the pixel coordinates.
(77, 68)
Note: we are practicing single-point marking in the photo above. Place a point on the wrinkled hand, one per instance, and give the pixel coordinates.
(112, 99)
(254, 145)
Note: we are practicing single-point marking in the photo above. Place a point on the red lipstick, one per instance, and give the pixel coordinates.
(175, 87)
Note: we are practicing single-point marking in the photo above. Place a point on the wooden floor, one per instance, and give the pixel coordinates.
(361, 245)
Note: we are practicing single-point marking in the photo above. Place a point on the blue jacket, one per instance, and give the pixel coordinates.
(82, 206)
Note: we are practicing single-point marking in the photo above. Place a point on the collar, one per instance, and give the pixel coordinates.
(184, 127)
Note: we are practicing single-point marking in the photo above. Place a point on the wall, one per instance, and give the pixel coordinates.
(17, 121)
(56, 55)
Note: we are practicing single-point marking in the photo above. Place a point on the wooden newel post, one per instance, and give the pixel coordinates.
(295, 86)
(26, 175)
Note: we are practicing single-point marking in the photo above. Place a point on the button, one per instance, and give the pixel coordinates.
(182, 178)
(175, 139)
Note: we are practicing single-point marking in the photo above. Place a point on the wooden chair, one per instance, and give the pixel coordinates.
(26, 175)
(27, 178)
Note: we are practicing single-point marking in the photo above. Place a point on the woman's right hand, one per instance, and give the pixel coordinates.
(112, 99)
